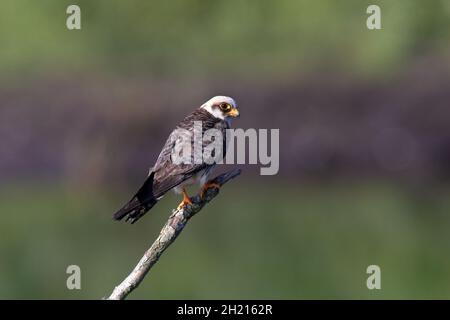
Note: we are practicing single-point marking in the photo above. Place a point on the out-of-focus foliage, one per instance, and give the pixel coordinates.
(364, 146)
(275, 242)
(241, 38)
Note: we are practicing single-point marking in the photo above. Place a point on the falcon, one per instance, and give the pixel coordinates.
(168, 173)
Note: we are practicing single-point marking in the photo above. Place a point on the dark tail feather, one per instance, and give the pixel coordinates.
(134, 210)
(141, 202)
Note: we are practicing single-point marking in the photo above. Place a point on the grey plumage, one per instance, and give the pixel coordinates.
(166, 174)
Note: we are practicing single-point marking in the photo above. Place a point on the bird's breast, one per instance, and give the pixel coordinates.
(199, 178)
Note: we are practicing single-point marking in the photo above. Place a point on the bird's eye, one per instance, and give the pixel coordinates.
(225, 107)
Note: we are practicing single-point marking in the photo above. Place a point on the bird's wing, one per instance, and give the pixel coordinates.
(167, 174)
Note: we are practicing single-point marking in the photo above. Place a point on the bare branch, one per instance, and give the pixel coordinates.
(173, 227)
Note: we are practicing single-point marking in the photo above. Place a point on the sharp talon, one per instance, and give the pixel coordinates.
(186, 200)
(207, 186)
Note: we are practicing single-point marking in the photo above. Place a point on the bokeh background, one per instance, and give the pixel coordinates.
(364, 119)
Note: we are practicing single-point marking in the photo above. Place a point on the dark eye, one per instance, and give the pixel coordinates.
(225, 107)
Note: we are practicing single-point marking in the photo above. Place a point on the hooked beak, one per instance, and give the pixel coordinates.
(234, 113)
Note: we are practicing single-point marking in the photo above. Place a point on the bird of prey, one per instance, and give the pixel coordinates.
(168, 174)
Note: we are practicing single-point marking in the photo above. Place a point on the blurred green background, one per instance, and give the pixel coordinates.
(364, 123)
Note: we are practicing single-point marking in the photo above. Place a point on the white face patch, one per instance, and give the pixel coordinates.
(216, 112)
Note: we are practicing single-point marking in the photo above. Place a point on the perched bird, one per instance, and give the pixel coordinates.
(168, 174)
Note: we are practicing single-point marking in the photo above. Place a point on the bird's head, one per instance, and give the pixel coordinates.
(222, 107)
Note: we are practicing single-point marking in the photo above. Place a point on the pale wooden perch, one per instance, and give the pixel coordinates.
(168, 234)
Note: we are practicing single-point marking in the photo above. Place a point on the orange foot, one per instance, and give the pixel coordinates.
(208, 185)
(186, 200)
